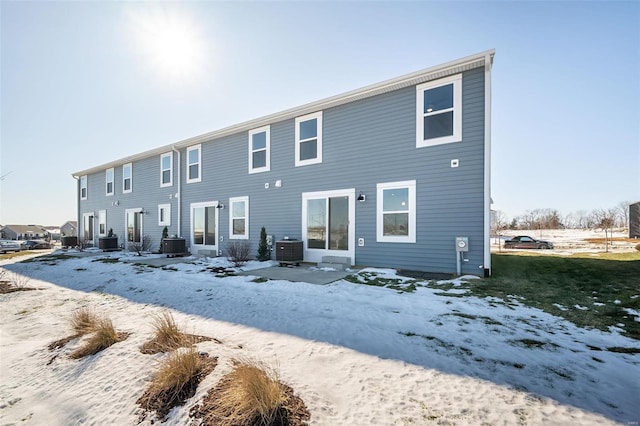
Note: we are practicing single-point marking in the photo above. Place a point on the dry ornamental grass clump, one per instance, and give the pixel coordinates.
(176, 381)
(168, 336)
(84, 321)
(251, 395)
(104, 335)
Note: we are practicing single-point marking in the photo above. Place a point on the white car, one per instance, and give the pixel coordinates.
(8, 245)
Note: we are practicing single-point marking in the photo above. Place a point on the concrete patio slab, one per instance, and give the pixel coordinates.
(302, 273)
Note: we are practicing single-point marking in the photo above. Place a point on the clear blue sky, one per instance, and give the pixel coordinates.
(84, 83)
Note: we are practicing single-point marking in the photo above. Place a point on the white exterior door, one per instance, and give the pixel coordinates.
(204, 226)
(88, 234)
(134, 225)
(328, 224)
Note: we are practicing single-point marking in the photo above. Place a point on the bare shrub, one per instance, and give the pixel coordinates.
(141, 246)
(238, 252)
(638, 247)
(176, 381)
(104, 335)
(84, 243)
(19, 281)
(251, 395)
(84, 321)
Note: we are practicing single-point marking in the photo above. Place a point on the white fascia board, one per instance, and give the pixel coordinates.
(431, 73)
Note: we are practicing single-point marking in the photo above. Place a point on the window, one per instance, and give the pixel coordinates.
(396, 212)
(309, 139)
(102, 223)
(83, 187)
(109, 179)
(126, 178)
(164, 215)
(166, 169)
(259, 150)
(239, 218)
(193, 164)
(439, 111)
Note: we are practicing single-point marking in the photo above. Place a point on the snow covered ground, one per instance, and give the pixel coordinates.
(356, 354)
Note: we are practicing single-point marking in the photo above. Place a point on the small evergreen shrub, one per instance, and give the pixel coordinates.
(263, 248)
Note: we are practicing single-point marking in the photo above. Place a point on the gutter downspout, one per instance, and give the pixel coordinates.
(488, 62)
(179, 190)
(78, 221)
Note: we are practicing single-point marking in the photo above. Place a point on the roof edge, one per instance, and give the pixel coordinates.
(426, 74)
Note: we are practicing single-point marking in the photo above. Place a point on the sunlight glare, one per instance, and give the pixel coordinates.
(170, 43)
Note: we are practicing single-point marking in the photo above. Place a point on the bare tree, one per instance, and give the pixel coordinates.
(500, 223)
(605, 220)
(622, 210)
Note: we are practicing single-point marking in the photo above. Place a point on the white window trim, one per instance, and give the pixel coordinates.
(244, 236)
(162, 170)
(192, 148)
(113, 182)
(167, 215)
(457, 111)
(267, 167)
(102, 219)
(318, 159)
(380, 237)
(130, 167)
(84, 185)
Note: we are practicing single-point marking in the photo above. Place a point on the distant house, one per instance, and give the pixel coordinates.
(634, 220)
(69, 229)
(24, 232)
(396, 174)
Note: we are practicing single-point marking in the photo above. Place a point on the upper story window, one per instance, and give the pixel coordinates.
(239, 218)
(396, 212)
(309, 139)
(83, 187)
(260, 150)
(109, 179)
(439, 111)
(166, 169)
(194, 164)
(127, 176)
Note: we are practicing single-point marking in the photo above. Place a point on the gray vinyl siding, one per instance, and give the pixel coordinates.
(365, 142)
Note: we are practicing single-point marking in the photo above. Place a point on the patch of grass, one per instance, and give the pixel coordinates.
(251, 394)
(107, 260)
(533, 344)
(176, 381)
(17, 254)
(104, 335)
(486, 320)
(622, 350)
(374, 279)
(47, 258)
(260, 280)
(583, 279)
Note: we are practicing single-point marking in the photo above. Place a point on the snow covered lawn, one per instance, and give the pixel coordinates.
(356, 354)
